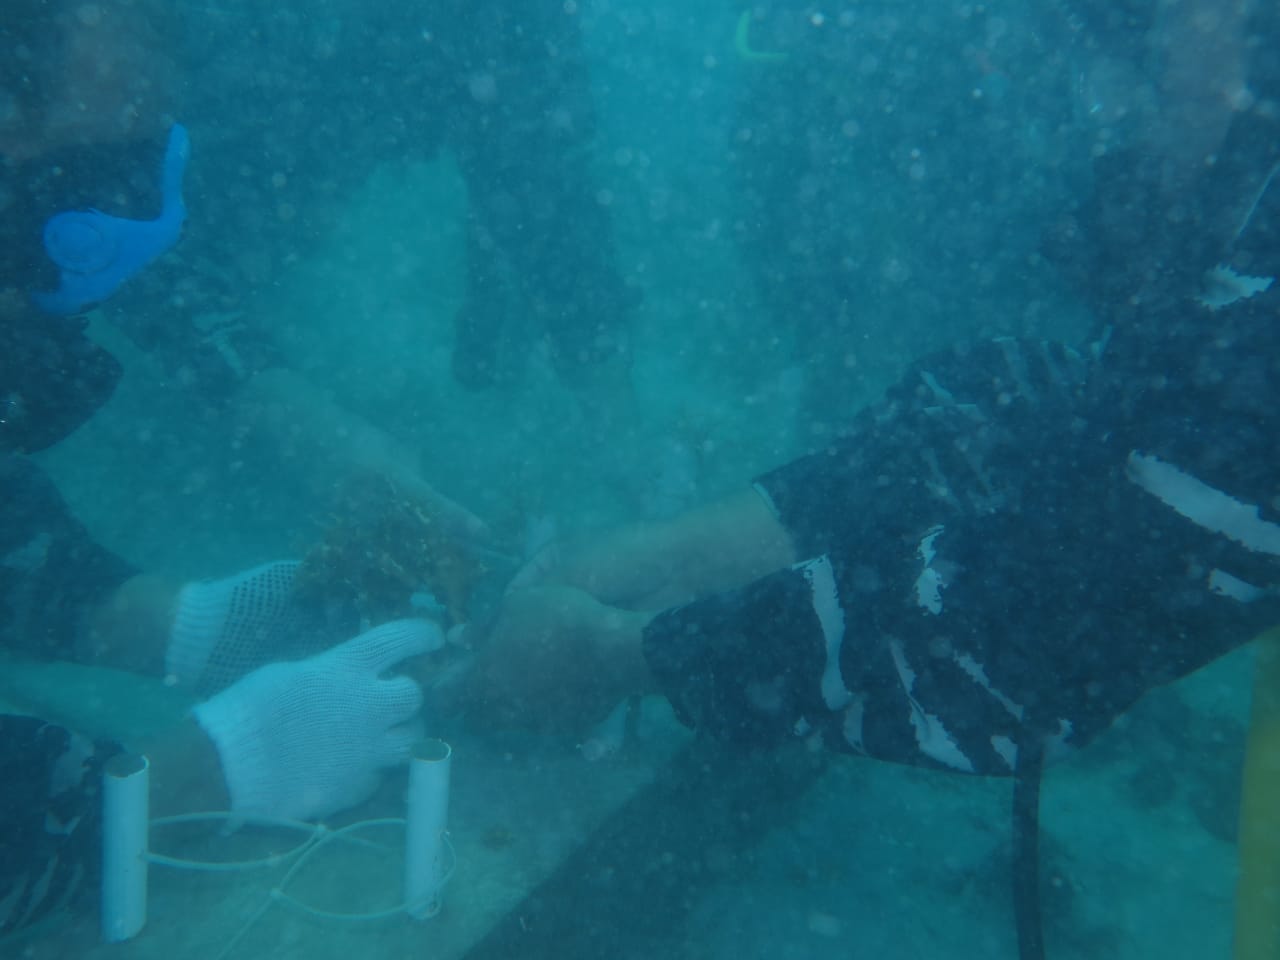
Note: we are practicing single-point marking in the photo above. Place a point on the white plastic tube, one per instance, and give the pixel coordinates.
(125, 803)
(425, 864)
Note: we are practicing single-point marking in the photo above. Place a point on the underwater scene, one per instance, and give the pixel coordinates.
(613, 479)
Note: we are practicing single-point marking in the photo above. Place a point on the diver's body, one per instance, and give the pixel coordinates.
(1019, 541)
(1014, 546)
(1023, 538)
(62, 594)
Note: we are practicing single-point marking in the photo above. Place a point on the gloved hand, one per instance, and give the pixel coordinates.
(309, 738)
(224, 628)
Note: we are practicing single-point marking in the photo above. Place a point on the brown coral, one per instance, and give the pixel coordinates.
(380, 548)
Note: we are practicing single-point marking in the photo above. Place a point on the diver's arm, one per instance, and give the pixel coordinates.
(651, 566)
(807, 507)
(554, 659)
(565, 644)
(185, 771)
(728, 567)
(131, 628)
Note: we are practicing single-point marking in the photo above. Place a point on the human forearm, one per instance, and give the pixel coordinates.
(652, 566)
(130, 630)
(555, 658)
(186, 773)
(299, 739)
(566, 643)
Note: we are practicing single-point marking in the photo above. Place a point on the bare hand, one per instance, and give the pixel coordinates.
(556, 659)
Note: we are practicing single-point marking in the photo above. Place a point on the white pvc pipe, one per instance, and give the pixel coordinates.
(125, 782)
(425, 864)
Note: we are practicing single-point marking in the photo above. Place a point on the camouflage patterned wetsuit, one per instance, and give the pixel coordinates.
(1020, 539)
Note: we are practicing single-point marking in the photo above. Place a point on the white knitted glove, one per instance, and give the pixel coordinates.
(224, 628)
(306, 739)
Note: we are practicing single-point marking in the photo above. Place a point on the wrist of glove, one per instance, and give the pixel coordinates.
(222, 629)
(305, 739)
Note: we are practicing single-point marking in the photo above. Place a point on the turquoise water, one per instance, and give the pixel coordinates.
(350, 258)
(941, 139)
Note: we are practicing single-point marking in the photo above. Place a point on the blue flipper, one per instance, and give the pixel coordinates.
(96, 252)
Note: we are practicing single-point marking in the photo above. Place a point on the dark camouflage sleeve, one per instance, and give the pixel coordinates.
(1020, 540)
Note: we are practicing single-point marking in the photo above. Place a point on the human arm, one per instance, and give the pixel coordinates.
(299, 739)
(131, 628)
(564, 645)
(654, 565)
(268, 734)
(1020, 560)
(296, 741)
(986, 539)
(201, 635)
(714, 557)
(205, 637)
(185, 770)
(554, 659)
